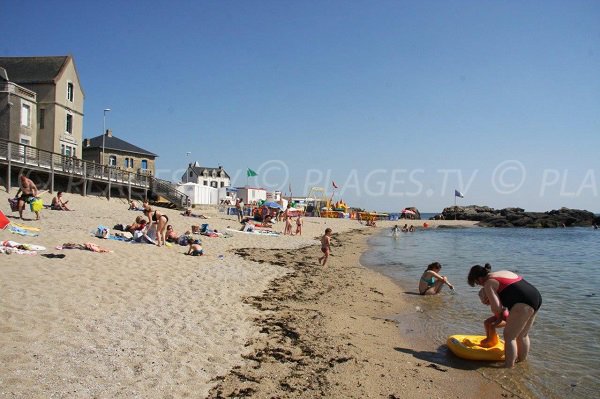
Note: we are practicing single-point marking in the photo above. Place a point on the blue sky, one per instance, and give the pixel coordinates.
(398, 102)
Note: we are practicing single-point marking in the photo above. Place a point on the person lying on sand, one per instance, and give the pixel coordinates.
(188, 212)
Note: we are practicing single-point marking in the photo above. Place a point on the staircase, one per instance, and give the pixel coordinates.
(167, 190)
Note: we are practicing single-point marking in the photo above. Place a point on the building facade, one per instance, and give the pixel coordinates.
(212, 177)
(57, 117)
(110, 150)
(18, 109)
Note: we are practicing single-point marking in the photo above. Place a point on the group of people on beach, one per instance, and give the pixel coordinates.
(28, 193)
(264, 218)
(514, 303)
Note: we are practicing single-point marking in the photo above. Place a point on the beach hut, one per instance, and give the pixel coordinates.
(200, 194)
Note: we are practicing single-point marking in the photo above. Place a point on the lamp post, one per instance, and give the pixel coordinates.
(104, 132)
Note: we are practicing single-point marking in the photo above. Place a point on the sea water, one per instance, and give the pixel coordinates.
(563, 264)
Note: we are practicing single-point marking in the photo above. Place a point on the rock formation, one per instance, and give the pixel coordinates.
(517, 217)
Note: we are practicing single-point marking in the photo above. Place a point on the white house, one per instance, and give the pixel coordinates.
(205, 176)
(200, 194)
(251, 195)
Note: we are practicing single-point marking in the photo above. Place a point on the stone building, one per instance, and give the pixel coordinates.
(52, 120)
(110, 150)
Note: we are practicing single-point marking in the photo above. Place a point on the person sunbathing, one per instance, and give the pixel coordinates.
(188, 212)
(171, 235)
(58, 204)
(139, 224)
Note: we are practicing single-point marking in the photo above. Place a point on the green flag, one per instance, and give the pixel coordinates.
(251, 173)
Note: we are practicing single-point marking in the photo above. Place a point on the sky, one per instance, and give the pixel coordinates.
(400, 103)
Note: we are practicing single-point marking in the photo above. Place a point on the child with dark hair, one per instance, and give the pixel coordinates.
(195, 249)
(432, 282)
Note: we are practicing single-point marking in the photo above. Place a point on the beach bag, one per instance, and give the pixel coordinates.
(14, 204)
(36, 205)
(102, 232)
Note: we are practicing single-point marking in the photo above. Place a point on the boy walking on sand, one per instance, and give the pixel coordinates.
(325, 246)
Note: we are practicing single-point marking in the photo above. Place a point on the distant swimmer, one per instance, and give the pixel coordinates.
(395, 231)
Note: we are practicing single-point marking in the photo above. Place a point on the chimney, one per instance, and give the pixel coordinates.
(108, 133)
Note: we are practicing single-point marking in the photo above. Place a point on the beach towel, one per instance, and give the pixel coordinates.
(21, 231)
(12, 247)
(257, 232)
(87, 246)
(3, 221)
(29, 247)
(30, 228)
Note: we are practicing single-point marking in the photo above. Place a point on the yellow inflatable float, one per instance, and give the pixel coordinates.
(467, 347)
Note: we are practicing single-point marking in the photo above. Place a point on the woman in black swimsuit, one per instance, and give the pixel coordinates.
(505, 289)
(161, 224)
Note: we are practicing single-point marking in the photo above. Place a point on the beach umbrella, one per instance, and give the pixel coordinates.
(272, 204)
(408, 211)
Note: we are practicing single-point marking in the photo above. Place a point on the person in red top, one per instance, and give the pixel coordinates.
(504, 289)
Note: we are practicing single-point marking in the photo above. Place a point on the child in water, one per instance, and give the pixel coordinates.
(432, 282)
(491, 323)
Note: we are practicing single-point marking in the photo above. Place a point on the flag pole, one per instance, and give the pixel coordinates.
(455, 210)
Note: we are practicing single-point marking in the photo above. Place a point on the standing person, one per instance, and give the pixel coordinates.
(239, 206)
(505, 289)
(432, 282)
(288, 221)
(299, 224)
(28, 191)
(161, 224)
(325, 246)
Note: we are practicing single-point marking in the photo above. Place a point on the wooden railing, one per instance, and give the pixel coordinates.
(25, 156)
(31, 157)
(168, 190)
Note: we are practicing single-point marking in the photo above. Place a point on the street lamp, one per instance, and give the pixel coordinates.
(104, 132)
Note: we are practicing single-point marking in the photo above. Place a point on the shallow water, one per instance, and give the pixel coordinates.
(564, 265)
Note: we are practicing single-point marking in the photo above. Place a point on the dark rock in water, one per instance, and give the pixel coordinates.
(416, 216)
(517, 217)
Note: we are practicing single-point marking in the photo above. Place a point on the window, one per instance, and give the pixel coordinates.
(25, 141)
(213, 184)
(42, 118)
(191, 173)
(222, 184)
(112, 160)
(25, 115)
(69, 127)
(70, 91)
(206, 182)
(128, 162)
(67, 150)
(144, 164)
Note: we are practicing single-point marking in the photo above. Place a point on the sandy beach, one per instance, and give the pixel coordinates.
(256, 316)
